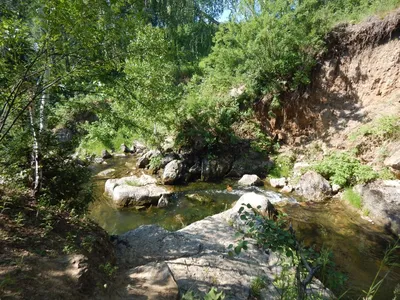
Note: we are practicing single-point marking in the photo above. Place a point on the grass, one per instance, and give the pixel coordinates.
(385, 128)
(257, 284)
(352, 197)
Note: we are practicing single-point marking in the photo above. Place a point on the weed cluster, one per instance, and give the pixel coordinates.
(344, 169)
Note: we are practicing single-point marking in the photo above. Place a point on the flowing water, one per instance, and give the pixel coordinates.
(358, 246)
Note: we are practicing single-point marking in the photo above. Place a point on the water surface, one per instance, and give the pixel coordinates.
(357, 244)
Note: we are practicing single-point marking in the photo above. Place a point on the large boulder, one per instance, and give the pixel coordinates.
(312, 186)
(215, 169)
(250, 180)
(144, 160)
(138, 147)
(197, 254)
(382, 200)
(393, 160)
(251, 163)
(172, 172)
(167, 159)
(135, 191)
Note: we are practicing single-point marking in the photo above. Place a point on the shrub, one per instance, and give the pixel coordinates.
(283, 166)
(344, 169)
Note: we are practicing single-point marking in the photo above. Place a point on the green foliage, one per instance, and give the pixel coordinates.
(212, 294)
(344, 169)
(390, 260)
(70, 246)
(385, 128)
(155, 162)
(66, 183)
(109, 269)
(206, 122)
(274, 236)
(386, 174)
(257, 284)
(283, 166)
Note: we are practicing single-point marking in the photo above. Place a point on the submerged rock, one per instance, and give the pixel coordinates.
(314, 187)
(163, 202)
(250, 180)
(199, 198)
(382, 200)
(105, 173)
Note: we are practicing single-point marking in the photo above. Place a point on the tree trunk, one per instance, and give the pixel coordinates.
(35, 155)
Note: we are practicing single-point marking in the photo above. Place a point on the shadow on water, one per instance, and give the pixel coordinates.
(358, 246)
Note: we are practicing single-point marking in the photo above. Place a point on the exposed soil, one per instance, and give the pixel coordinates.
(356, 82)
(45, 254)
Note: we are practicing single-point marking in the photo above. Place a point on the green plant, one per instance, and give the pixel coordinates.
(155, 162)
(283, 166)
(47, 222)
(70, 246)
(390, 260)
(189, 295)
(299, 264)
(212, 294)
(386, 174)
(257, 284)
(88, 243)
(19, 220)
(396, 292)
(6, 281)
(344, 169)
(352, 197)
(385, 128)
(109, 269)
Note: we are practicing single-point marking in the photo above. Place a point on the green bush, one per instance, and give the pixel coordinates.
(283, 166)
(344, 169)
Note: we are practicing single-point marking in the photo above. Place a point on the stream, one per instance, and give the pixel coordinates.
(357, 244)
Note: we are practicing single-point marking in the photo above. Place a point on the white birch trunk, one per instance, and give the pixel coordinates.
(35, 154)
(43, 100)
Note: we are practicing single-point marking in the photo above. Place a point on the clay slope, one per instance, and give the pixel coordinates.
(357, 81)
